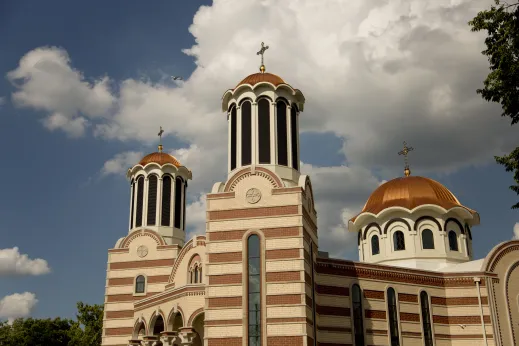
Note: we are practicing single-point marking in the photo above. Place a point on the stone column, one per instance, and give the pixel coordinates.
(134, 342)
(149, 340)
(169, 338)
(186, 335)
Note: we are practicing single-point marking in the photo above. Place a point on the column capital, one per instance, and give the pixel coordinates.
(169, 338)
(186, 335)
(134, 342)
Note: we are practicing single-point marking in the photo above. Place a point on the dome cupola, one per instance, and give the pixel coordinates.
(262, 112)
(415, 222)
(158, 195)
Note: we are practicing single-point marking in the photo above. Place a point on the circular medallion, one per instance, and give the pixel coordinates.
(253, 195)
(142, 251)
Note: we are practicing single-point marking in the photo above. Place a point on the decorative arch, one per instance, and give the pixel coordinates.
(245, 99)
(456, 221)
(172, 314)
(282, 99)
(231, 105)
(154, 317)
(188, 246)
(507, 297)
(246, 172)
(398, 219)
(429, 218)
(359, 237)
(373, 224)
(197, 312)
(309, 190)
(136, 327)
(142, 233)
(264, 97)
(497, 253)
(469, 233)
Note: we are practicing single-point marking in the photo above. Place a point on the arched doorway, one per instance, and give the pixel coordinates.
(198, 327)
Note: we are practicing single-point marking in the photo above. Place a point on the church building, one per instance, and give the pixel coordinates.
(257, 277)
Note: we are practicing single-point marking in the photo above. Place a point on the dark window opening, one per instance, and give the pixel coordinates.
(152, 200)
(178, 202)
(184, 191)
(398, 241)
(294, 134)
(233, 137)
(427, 239)
(140, 201)
(158, 326)
(132, 204)
(281, 124)
(254, 291)
(426, 319)
(453, 241)
(393, 317)
(357, 315)
(166, 201)
(375, 246)
(264, 130)
(140, 284)
(246, 133)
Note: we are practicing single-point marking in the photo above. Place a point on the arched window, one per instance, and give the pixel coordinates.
(200, 273)
(132, 185)
(166, 201)
(264, 131)
(357, 315)
(453, 241)
(246, 133)
(426, 319)
(375, 246)
(393, 317)
(152, 200)
(140, 201)
(178, 201)
(184, 189)
(281, 124)
(254, 291)
(196, 274)
(234, 137)
(427, 239)
(294, 135)
(398, 241)
(468, 246)
(140, 284)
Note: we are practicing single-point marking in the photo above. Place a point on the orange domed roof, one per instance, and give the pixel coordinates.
(259, 77)
(160, 158)
(410, 192)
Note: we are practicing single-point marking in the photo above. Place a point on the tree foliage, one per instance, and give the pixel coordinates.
(501, 23)
(86, 331)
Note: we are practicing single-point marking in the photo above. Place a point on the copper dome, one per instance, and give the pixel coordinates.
(410, 192)
(159, 158)
(256, 78)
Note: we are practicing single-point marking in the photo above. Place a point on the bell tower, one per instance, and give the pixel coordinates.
(158, 195)
(262, 115)
(261, 222)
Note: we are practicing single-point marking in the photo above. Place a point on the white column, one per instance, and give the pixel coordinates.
(254, 133)
(273, 136)
(289, 135)
(229, 128)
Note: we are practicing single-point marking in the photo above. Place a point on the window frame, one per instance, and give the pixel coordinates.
(352, 314)
(378, 245)
(432, 238)
(395, 241)
(143, 293)
(422, 321)
(247, 293)
(397, 316)
(450, 240)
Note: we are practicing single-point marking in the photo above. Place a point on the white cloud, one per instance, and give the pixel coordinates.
(120, 163)
(17, 305)
(46, 81)
(196, 216)
(374, 73)
(516, 231)
(12, 262)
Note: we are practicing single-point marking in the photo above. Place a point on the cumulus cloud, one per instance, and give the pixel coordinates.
(374, 73)
(121, 162)
(12, 262)
(17, 305)
(516, 231)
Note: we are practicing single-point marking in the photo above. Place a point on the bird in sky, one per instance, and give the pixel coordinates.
(177, 78)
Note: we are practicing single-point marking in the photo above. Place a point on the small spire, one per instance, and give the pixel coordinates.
(160, 139)
(405, 152)
(261, 52)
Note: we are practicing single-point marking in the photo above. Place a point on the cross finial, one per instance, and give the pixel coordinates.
(160, 139)
(261, 52)
(405, 152)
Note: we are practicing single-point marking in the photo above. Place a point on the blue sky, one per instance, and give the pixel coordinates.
(61, 203)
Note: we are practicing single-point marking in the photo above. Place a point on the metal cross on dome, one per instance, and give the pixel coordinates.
(405, 152)
(160, 139)
(261, 52)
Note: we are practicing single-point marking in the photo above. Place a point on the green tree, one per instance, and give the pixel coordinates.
(88, 329)
(502, 83)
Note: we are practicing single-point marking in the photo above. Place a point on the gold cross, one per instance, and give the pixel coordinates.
(405, 152)
(160, 139)
(261, 52)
